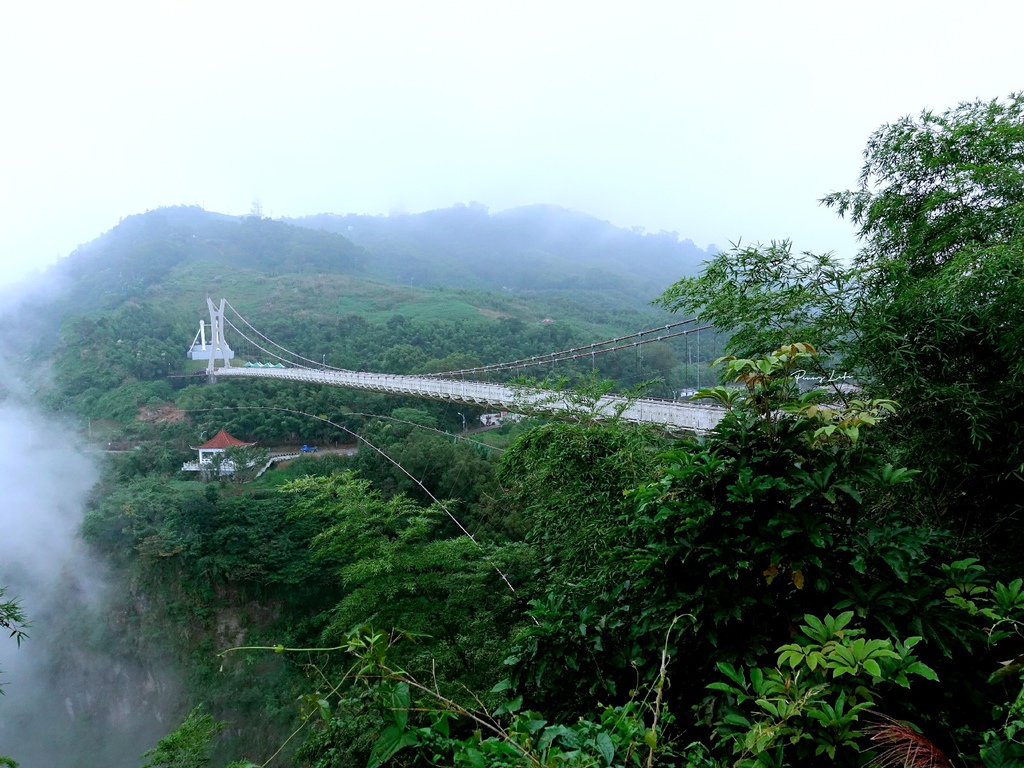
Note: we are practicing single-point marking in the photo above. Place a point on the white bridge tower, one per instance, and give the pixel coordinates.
(216, 348)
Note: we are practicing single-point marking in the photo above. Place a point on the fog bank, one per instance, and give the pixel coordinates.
(73, 696)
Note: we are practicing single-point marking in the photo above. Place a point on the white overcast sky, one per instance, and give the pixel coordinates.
(718, 120)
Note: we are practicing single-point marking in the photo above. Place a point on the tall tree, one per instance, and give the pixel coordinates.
(940, 209)
(934, 185)
(928, 314)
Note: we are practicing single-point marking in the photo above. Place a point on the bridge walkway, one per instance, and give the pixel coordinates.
(673, 415)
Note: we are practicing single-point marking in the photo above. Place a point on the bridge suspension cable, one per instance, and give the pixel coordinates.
(572, 353)
(264, 349)
(587, 350)
(313, 363)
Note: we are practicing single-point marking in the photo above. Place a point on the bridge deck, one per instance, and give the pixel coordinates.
(674, 415)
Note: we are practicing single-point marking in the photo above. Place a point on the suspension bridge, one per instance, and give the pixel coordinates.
(211, 344)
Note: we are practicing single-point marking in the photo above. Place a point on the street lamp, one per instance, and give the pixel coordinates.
(463, 422)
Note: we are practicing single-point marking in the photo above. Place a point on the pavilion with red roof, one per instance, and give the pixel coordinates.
(217, 444)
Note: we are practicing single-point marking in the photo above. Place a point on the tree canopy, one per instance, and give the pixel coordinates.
(929, 312)
(934, 185)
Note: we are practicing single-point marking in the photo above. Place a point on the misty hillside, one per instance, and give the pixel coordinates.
(120, 312)
(538, 248)
(143, 257)
(530, 248)
(143, 249)
(524, 264)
